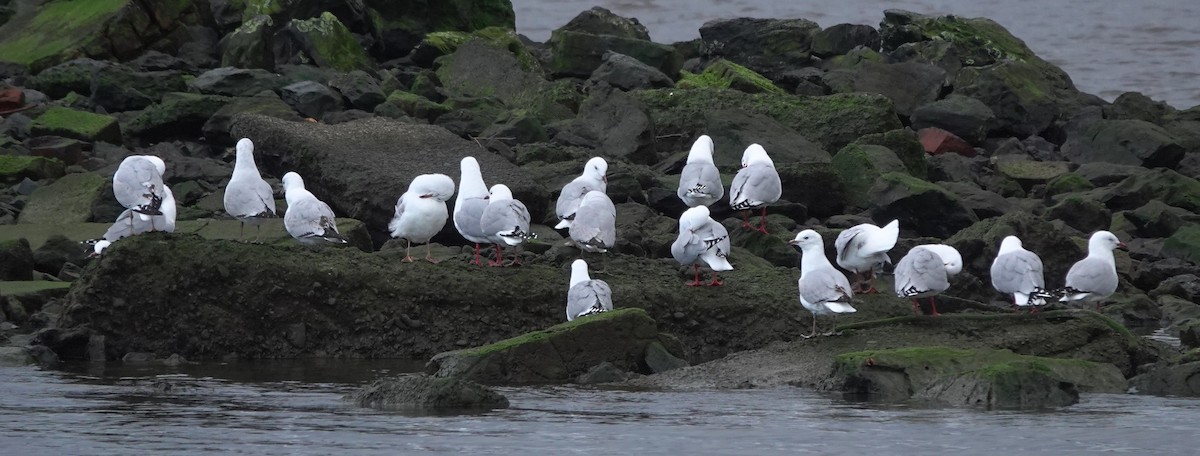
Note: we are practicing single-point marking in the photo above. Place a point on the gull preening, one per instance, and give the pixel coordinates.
(130, 224)
(702, 239)
(308, 219)
(863, 248)
(755, 185)
(138, 185)
(1095, 277)
(421, 212)
(594, 178)
(505, 221)
(470, 203)
(700, 182)
(1018, 272)
(585, 295)
(925, 272)
(823, 289)
(595, 226)
(248, 198)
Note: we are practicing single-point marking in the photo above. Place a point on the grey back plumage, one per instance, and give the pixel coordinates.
(311, 221)
(712, 237)
(821, 287)
(1019, 271)
(467, 217)
(754, 186)
(595, 225)
(1093, 276)
(920, 273)
(505, 222)
(700, 184)
(589, 296)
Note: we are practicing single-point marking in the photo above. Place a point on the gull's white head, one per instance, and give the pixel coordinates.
(500, 192)
(1009, 244)
(292, 181)
(436, 186)
(1104, 241)
(693, 218)
(98, 247)
(579, 272)
(702, 150)
(470, 180)
(949, 255)
(245, 151)
(596, 168)
(158, 163)
(756, 155)
(807, 240)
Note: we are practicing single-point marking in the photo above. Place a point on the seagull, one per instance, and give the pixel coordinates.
(700, 182)
(1094, 278)
(585, 295)
(1018, 272)
(925, 272)
(308, 219)
(248, 198)
(823, 289)
(472, 199)
(421, 212)
(595, 226)
(594, 177)
(129, 224)
(505, 221)
(755, 185)
(702, 239)
(138, 185)
(863, 248)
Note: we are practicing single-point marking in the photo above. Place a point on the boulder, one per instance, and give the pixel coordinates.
(311, 99)
(965, 117)
(178, 114)
(399, 104)
(15, 168)
(1020, 95)
(579, 53)
(979, 243)
(156, 61)
(1029, 172)
(1125, 142)
(249, 45)
(1136, 106)
(1067, 183)
(1167, 378)
(927, 208)
(1185, 286)
(859, 167)
(627, 73)
(992, 379)
(70, 199)
(557, 354)
(815, 185)
(438, 44)
(1163, 185)
(1184, 244)
(842, 38)
(15, 357)
(1084, 214)
(120, 88)
(615, 123)
(984, 203)
(601, 21)
(422, 393)
(56, 252)
(732, 130)
(216, 128)
(1147, 275)
(1159, 220)
(402, 24)
(325, 41)
(767, 46)
(724, 74)
(908, 84)
(604, 372)
(17, 259)
(477, 69)
(70, 123)
(66, 150)
(360, 89)
(236, 82)
(70, 76)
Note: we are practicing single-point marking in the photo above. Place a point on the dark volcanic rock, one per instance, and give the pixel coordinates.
(926, 208)
(477, 69)
(415, 392)
(907, 84)
(216, 128)
(768, 46)
(16, 260)
(628, 73)
(1021, 96)
(359, 88)
(311, 99)
(236, 82)
(616, 124)
(118, 88)
(1159, 184)
(1084, 214)
(578, 48)
(843, 38)
(55, 252)
(966, 117)
(1125, 142)
(73, 76)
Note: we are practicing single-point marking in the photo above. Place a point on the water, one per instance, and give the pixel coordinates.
(1107, 46)
(296, 408)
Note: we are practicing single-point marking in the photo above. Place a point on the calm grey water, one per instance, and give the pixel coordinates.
(1107, 46)
(296, 408)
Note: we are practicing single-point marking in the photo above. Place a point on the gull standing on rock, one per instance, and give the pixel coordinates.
(421, 212)
(138, 185)
(1018, 272)
(1095, 277)
(248, 198)
(925, 272)
(863, 248)
(702, 239)
(755, 185)
(505, 221)
(129, 224)
(823, 289)
(470, 203)
(595, 226)
(700, 182)
(585, 295)
(594, 178)
(308, 219)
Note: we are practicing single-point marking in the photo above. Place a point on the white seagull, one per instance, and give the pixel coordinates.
(702, 240)
(925, 272)
(823, 289)
(863, 248)
(1018, 272)
(505, 221)
(472, 199)
(308, 219)
(700, 182)
(585, 295)
(248, 198)
(755, 185)
(129, 224)
(594, 178)
(421, 212)
(595, 226)
(1095, 277)
(138, 185)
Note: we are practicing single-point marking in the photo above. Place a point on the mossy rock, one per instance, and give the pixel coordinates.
(68, 200)
(993, 379)
(1029, 171)
(1067, 183)
(329, 44)
(422, 393)
(1084, 214)
(479, 69)
(831, 121)
(249, 46)
(401, 103)
(723, 74)
(179, 114)
(1184, 244)
(58, 30)
(23, 288)
(920, 205)
(1025, 99)
(1158, 184)
(81, 125)
(16, 260)
(437, 44)
(578, 54)
(14, 168)
(859, 168)
(905, 145)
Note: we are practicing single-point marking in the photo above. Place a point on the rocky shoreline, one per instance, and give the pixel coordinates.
(950, 125)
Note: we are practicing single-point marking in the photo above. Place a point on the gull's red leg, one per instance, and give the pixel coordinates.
(933, 305)
(715, 281)
(762, 222)
(695, 282)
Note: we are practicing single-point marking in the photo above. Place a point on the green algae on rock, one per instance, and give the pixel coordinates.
(723, 74)
(859, 167)
(81, 125)
(175, 114)
(328, 43)
(13, 168)
(68, 200)
(422, 393)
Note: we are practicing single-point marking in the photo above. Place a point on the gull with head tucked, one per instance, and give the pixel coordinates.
(421, 212)
(700, 182)
(755, 186)
(702, 240)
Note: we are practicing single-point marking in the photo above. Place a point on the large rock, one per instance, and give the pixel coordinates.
(15, 357)
(401, 25)
(1084, 214)
(359, 88)
(907, 146)
(1163, 185)
(119, 88)
(1167, 378)
(325, 41)
(81, 125)
(859, 168)
(1184, 244)
(13, 169)
(927, 208)
(577, 48)
(842, 38)
(421, 393)
(216, 128)
(70, 76)
(1021, 96)
(477, 69)
(557, 354)
(178, 115)
(615, 123)
(69, 199)
(16, 260)
(767, 46)
(725, 74)
(236, 82)
(249, 46)
(908, 84)
(56, 252)
(966, 117)
(992, 379)
(311, 99)
(1125, 142)
(628, 73)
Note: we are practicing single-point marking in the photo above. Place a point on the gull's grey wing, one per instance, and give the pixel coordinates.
(572, 195)
(844, 244)
(137, 185)
(509, 217)
(687, 248)
(715, 238)
(753, 186)
(1018, 272)
(825, 285)
(1092, 275)
(700, 180)
(311, 219)
(921, 271)
(589, 296)
(595, 225)
(467, 219)
(249, 198)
